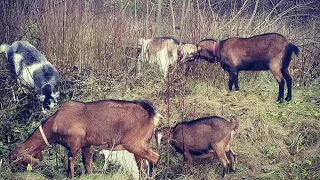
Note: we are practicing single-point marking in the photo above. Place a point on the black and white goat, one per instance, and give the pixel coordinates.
(32, 70)
(165, 51)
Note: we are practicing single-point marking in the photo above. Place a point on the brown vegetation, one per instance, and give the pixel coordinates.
(87, 41)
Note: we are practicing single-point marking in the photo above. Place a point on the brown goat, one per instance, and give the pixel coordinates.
(204, 137)
(262, 52)
(110, 124)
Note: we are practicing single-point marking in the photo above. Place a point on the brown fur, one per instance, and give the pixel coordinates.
(204, 137)
(262, 52)
(108, 123)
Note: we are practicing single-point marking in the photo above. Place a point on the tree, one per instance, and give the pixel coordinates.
(159, 18)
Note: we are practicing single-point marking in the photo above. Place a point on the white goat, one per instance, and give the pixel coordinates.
(124, 158)
(165, 51)
(31, 69)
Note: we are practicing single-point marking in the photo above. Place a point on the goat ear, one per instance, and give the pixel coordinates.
(41, 97)
(56, 95)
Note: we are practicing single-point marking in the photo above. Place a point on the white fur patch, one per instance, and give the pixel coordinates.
(187, 51)
(159, 138)
(156, 119)
(55, 96)
(26, 76)
(52, 104)
(124, 158)
(162, 58)
(17, 58)
(232, 132)
(4, 48)
(144, 44)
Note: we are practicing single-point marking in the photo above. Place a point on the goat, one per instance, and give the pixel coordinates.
(270, 51)
(125, 159)
(31, 69)
(111, 124)
(165, 51)
(204, 137)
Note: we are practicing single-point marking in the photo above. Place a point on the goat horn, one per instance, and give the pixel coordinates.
(199, 48)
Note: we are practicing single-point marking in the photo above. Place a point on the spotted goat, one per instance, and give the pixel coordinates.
(32, 70)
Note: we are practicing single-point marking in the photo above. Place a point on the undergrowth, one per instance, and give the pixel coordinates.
(93, 46)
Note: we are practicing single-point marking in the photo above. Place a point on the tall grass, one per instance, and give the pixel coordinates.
(92, 45)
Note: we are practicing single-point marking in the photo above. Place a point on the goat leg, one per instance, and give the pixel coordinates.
(187, 156)
(72, 156)
(230, 83)
(233, 79)
(224, 162)
(86, 158)
(144, 152)
(236, 81)
(288, 78)
(232, 157)
(278, 75)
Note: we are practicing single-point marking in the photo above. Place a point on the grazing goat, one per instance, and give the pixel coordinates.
(204, 137)
(124, 158)
(165, 51)
(110, 124)
(31, 69)
(262, 52)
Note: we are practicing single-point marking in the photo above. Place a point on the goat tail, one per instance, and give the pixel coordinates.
(4, 48)
(288, 54)
(293, 48)
(147, 106)
(151, 111)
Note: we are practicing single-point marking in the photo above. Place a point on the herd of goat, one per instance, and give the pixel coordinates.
(115, 125)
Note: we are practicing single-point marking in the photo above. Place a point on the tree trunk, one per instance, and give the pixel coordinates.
(173, 19)
(184, 23)
(159, 18)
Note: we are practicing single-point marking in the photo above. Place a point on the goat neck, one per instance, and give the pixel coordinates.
(209, 50)
(29, 152)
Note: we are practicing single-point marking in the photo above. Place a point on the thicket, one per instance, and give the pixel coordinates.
(92, 44)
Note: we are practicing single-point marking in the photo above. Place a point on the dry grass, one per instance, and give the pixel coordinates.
(91, 46)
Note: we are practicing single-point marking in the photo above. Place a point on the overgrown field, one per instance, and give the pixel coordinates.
(92, 45)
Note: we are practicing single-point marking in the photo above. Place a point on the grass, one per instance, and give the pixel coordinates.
(88, 41)
(274, 141)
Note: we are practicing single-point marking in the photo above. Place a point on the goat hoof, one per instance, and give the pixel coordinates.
(280, 100)
(232, 170)
(288, 99)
